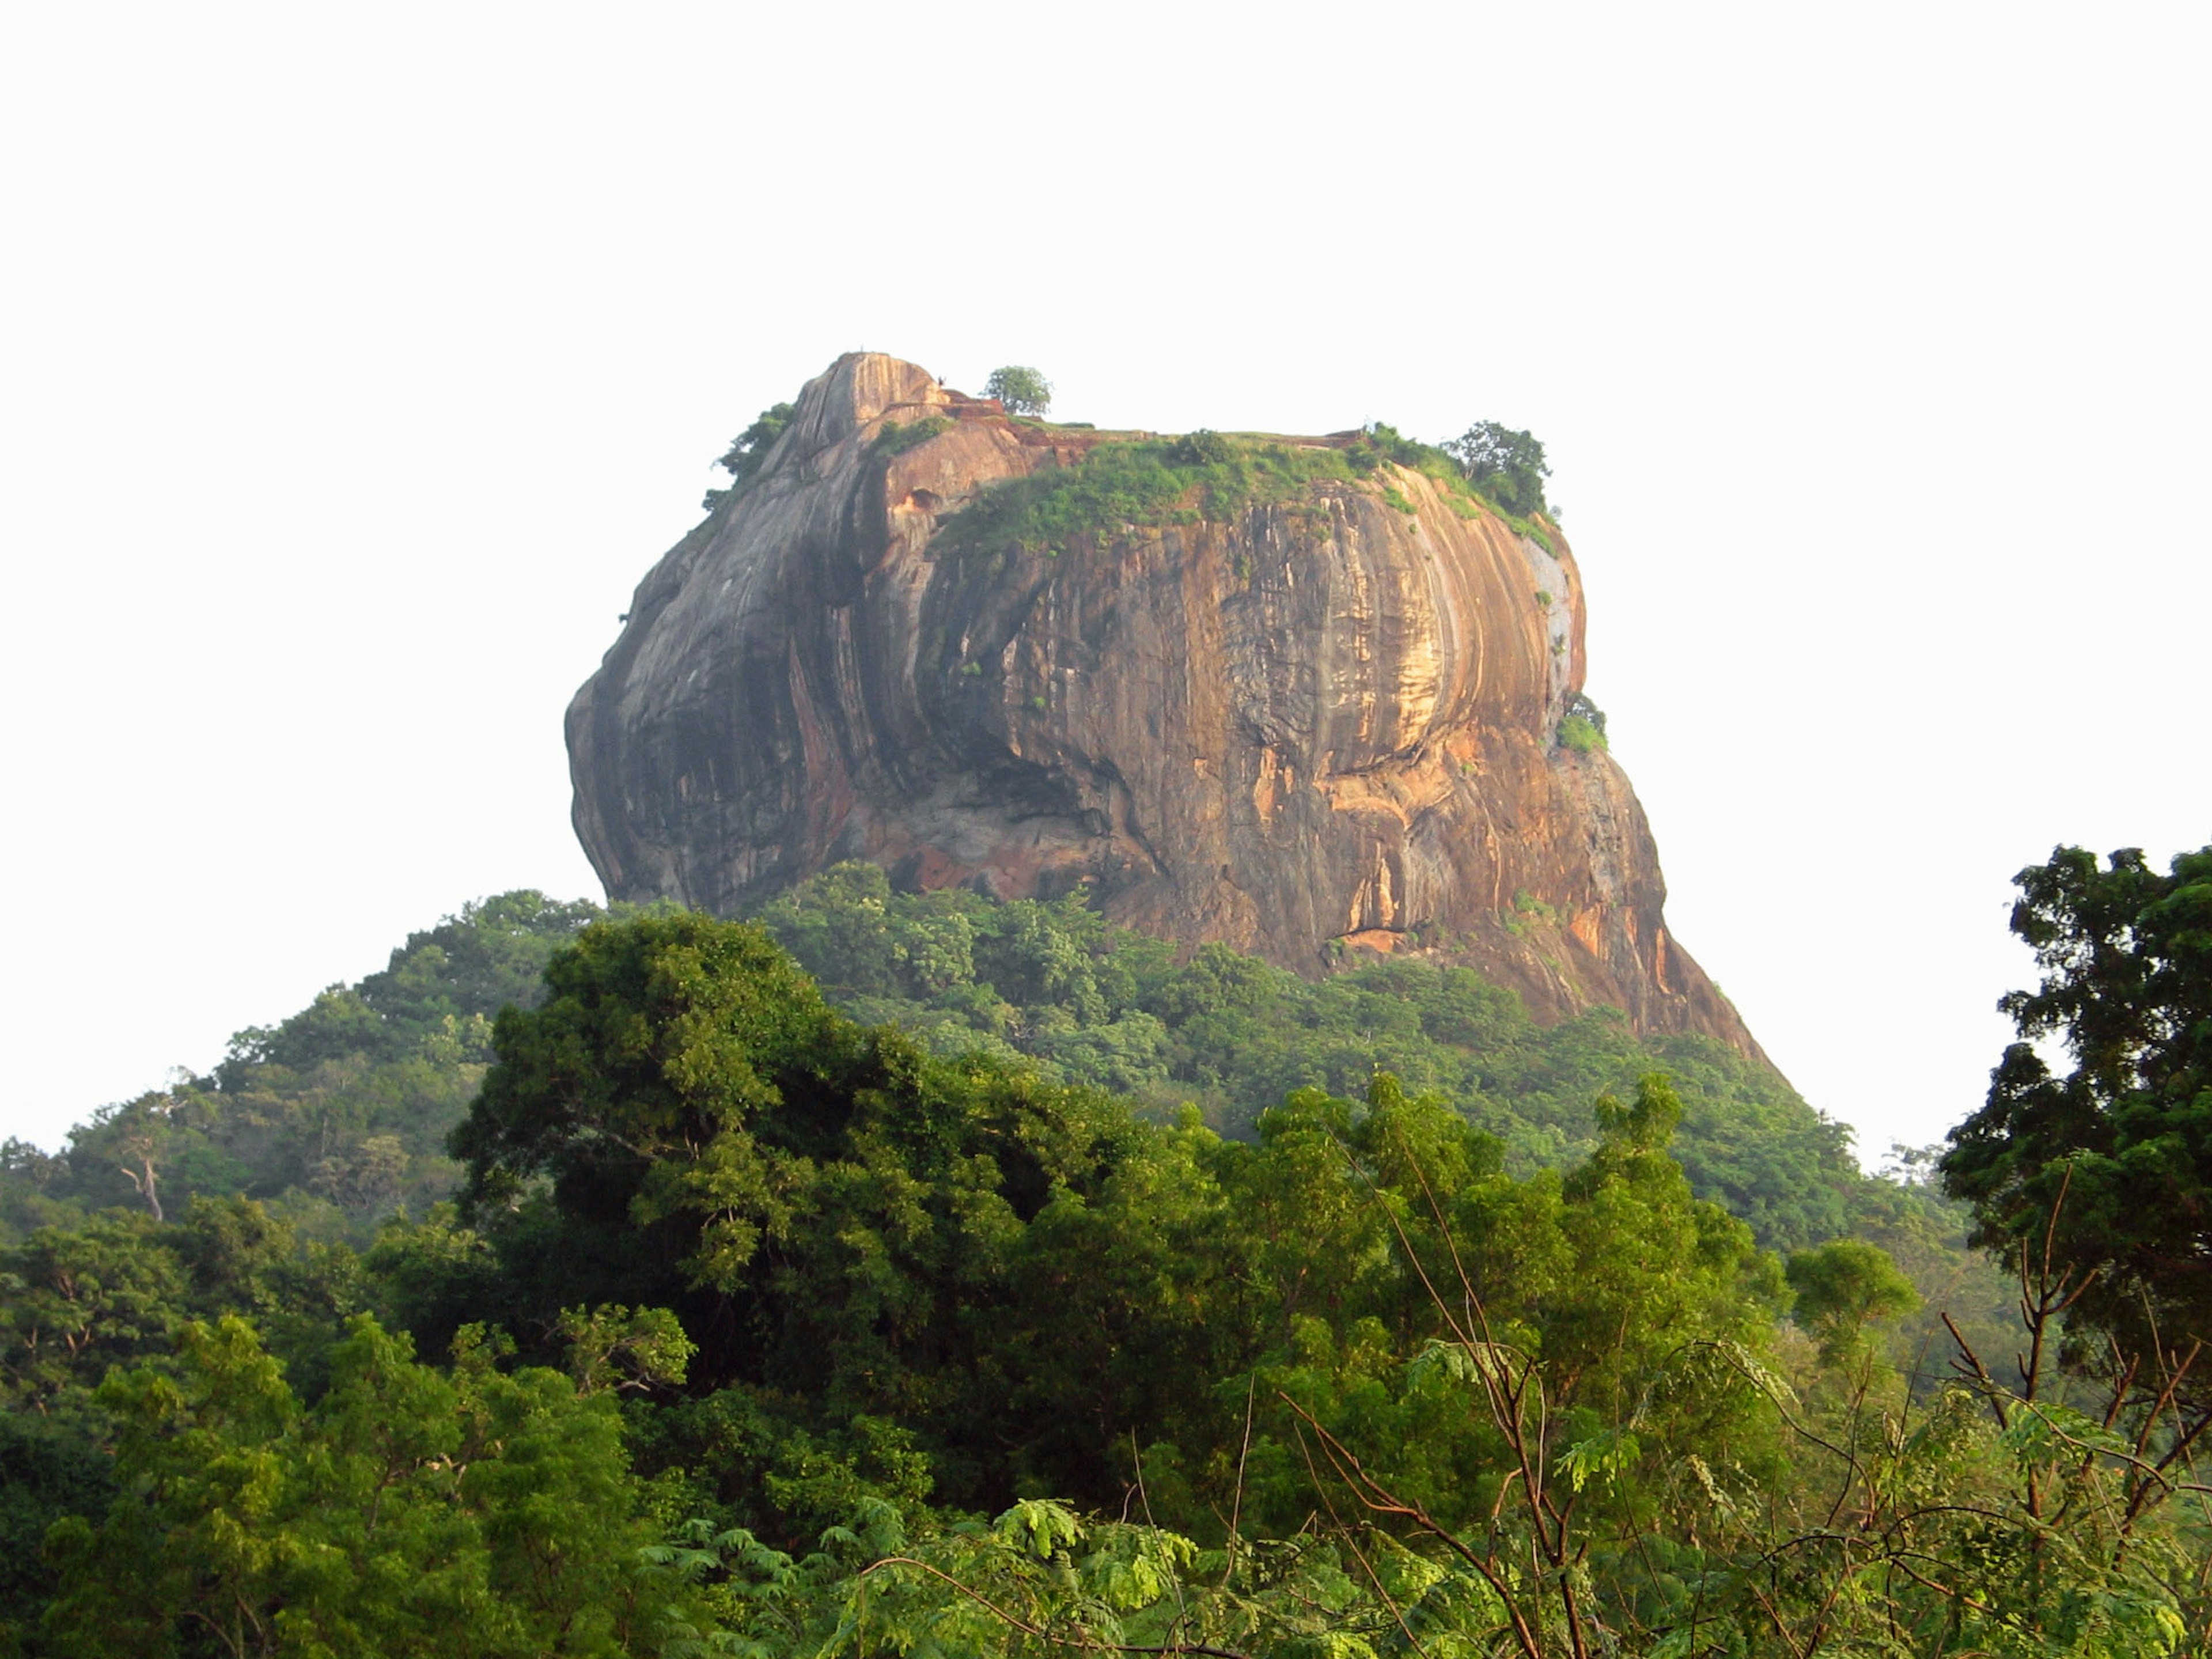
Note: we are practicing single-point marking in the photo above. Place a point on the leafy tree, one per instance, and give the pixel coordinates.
(1582, 726)
(837, 1215)
(469, 966)
(1090, 1003)
(78, 1301)
(1021, 391)
(1201, 448)
(748, 451)
(1506, 466)
(1843, 1287)
(1450, 1366)
(648, 1088)
(2107, 1167)
(48, 1470)
(31, 1181)
(405, 1512)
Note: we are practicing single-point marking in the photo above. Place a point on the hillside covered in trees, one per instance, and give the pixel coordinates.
(920, 1274)
(338, 1116)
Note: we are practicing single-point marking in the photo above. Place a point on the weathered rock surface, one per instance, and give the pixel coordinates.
(1326, 727)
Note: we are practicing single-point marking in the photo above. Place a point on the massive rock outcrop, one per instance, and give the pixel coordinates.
(1313, 727)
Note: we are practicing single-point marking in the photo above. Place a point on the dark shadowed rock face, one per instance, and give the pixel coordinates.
(1325, 727)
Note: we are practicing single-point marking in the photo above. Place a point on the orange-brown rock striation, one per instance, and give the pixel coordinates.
(1326, 727)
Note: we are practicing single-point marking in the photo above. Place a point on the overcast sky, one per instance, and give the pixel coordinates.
(356, 363)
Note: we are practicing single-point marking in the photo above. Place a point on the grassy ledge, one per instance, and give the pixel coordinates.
(1202, 476)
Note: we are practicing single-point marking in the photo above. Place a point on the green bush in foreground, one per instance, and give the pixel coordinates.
(922, 1354)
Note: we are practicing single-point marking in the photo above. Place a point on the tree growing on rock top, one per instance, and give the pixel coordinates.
(1019, 390)
(1506, 466)
(748, 451)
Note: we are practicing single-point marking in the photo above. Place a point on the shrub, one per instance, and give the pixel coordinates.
(749, 450)
(1530, 905)
(895, 440)
(1469, 490)
(1203, 448)
(1142, 483)
(1578, 734)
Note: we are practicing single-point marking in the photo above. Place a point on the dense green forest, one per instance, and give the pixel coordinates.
(912, 1274)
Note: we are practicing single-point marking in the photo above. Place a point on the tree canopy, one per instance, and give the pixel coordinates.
(1021, 391)
(1506, 466)
(748, 451)
(1363, 1318)
(2106, 1164)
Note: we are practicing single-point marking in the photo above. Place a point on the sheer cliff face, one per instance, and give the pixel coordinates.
(1324, 729)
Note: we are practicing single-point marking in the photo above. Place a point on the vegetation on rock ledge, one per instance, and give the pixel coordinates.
(1147, 482)
(1203, 476)
(748, 452)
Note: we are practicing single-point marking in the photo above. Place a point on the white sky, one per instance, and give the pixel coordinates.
(356, 363)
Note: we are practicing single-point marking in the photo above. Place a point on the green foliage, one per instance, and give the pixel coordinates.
(1117, 487)
(1093, 1004)
(1203, 448)
(713, 1136)
(1381, 442)
(1391, 1373)
(1147, 483)
(406, 1511)
(1469, 494)
(339, 1114)
(748, 451)
(1845, 1287)
(1581, 735)
(1505, 465)
(1020, 391)
(2103, 1170)
(894, 439)
(635, 1090)
(618, 1347)
(48, 1472)
(1003, 1267)
(79, 1301)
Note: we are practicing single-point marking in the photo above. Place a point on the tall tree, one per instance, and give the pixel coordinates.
(2108, 1164)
